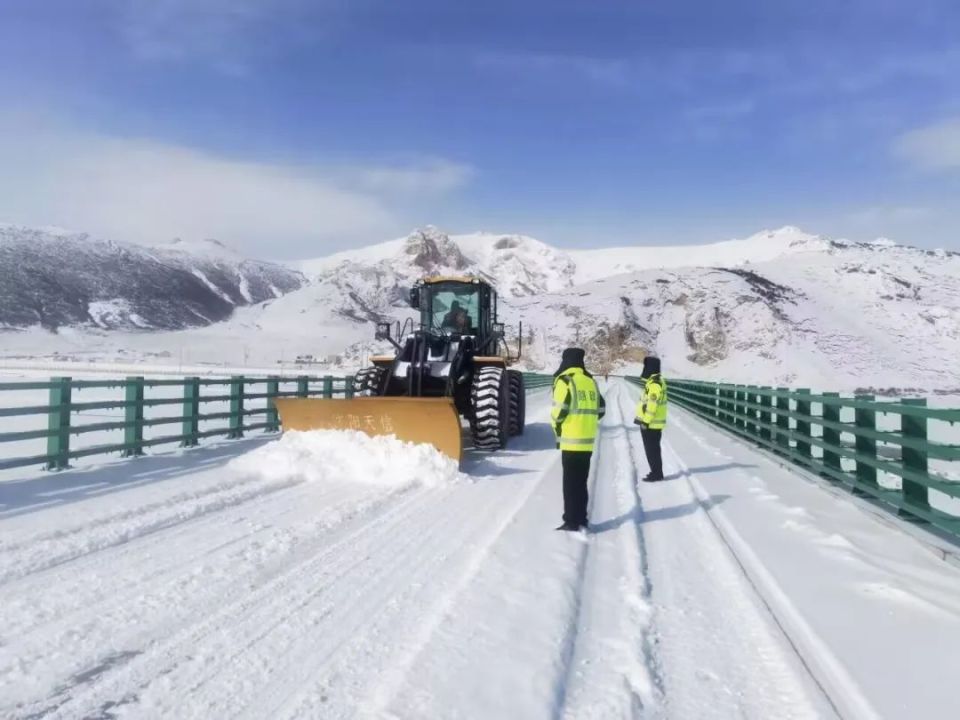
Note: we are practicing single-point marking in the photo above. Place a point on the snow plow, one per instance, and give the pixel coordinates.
(454, 364)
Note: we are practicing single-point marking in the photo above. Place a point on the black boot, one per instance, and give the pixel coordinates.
(568, 527)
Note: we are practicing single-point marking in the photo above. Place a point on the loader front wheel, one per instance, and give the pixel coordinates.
(367, 382)
(518, 402)
(491, 394)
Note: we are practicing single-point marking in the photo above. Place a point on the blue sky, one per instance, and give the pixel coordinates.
(293, 128)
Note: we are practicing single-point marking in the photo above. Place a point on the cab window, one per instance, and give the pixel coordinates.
(455, 310)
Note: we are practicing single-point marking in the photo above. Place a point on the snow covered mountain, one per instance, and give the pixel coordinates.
(54, 279)
(845, 317)
(780, 307)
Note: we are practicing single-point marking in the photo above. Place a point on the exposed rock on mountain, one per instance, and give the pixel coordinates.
(54, 279)
(780, 307)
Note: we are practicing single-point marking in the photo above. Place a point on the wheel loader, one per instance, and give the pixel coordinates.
(453, 364)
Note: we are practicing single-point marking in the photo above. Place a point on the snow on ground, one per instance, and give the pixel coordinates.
(871, 609)
(348, 455)
(326, 575)
(760, 247)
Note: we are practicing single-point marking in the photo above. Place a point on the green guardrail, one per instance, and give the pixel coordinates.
(245, 406)
(534, 381)
(242, 399)
(809, 430)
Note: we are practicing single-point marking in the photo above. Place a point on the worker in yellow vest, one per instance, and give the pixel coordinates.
(577, 409)
(652, 416)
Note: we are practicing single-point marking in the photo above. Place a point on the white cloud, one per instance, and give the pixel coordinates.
(224, 34)
(431, 176)
(148, 192)
(889, 215)
(935, 147)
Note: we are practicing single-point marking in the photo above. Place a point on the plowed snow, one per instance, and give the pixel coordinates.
(348, 456)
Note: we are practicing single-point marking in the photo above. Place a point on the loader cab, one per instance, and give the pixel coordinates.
(455, 306)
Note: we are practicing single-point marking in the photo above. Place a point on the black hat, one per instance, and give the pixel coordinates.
(651, 366)
(572, 357)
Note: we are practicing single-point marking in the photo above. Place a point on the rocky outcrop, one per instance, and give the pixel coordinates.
(55, 280)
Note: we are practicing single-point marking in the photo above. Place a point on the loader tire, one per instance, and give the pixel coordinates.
(366, 383)
(490, 396)
(518, 402)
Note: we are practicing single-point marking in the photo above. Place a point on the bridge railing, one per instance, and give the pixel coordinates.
(88, 417)
(83, 418)
(533, 381)
(877, 448)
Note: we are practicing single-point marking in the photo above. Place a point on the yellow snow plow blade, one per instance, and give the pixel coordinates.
(418, 420)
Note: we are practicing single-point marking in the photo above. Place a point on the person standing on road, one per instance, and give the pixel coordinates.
(577, 409)
(652, 416)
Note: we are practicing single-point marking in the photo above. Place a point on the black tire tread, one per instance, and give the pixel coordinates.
(366, 383)
(490, 398)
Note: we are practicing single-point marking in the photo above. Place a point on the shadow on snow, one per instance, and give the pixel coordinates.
(19, 497)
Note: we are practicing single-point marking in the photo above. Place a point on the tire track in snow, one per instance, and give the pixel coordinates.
(165, 646)
(610, 671)
(482, 530)
(388, 638)
(45, 551)
(118, 601)
(720, 653)
(85, 573)
(824, 669)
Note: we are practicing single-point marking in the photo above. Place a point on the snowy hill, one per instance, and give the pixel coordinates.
(780, 307)
(54, 279)
(848, 317)
(762, 247)
(517, 264)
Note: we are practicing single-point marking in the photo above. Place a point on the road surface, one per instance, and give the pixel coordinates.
(196, 586)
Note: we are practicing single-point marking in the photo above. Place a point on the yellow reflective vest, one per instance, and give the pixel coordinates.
(577, 409)
(652, 408)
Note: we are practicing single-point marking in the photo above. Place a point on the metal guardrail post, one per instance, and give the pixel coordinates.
(133, 417)
(236, 407)
(866, 447)
(191, 412)
(803, 425)
(766, 417)
(915, 459)
(751, 414)
(58, 423)
(783, 420)
(328, 387)
(739, 394)
(348, 386)
(716, 402)
(303, 386)
(273, 418)
(831, 436)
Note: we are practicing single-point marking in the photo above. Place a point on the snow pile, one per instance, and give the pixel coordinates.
(115, 313)
(349, 456)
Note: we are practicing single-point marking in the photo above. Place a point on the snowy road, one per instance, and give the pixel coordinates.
(193, 587)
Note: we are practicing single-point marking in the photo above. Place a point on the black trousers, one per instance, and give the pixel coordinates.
(576, 470)
(651, 446)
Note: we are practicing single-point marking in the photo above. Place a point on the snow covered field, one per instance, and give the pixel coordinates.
(329, 576)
